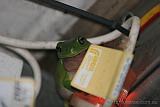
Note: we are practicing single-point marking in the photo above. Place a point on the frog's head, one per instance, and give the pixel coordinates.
(72, 47)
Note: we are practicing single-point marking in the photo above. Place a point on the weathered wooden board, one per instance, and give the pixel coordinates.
(111, 9)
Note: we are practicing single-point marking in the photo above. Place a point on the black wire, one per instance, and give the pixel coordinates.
(154, 65)
(110, 23)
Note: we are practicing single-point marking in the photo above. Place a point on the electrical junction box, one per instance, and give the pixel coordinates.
(102, 72)
(10, 67)
(17, 92)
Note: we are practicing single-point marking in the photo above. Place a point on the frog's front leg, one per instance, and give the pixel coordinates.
(63, 76)
(60, 75)
(67, 82)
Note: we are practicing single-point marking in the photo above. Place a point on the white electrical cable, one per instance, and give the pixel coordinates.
(134, 32)
(130, 23)
(34, 65)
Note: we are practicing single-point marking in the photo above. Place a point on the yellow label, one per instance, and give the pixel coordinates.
(102, 71)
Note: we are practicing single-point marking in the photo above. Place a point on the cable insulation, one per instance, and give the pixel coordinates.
(52, 44)
(34, 65)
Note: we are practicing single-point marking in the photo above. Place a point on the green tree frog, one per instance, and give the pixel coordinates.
(65, 50)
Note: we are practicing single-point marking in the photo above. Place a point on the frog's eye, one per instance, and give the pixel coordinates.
(58, 49)
(81, 40)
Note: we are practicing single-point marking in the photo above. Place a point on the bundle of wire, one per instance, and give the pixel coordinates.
(20, 46)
